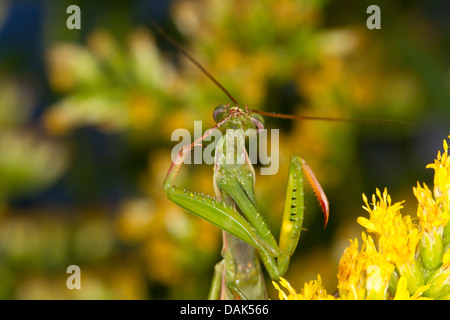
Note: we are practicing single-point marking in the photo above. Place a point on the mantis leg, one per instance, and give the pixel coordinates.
(216, 283)
(218, 213)
(240, 266)
(236, 292)
(249, 227)
(238, 276)
(293, 213)
(211, 208)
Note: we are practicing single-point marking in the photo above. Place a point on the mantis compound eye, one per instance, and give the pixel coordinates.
(219, 113)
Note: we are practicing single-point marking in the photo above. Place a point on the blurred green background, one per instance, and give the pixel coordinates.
(86, 118)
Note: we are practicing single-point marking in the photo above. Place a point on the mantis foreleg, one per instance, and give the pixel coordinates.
(237, 214)
(292, 216)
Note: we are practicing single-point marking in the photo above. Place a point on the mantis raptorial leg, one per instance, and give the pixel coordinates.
(235, 211)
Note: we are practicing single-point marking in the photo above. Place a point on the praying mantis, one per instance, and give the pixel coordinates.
(247, 239)
(234, 210)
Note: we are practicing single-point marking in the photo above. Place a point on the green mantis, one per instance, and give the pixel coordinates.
(235, 211)
(247, 238)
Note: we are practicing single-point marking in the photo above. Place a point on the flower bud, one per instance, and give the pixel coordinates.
(393, 282)
(439, 283)
(413, 274)
(446, 237)
(431, 249)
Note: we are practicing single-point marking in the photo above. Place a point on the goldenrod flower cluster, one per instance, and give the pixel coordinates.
(398, 258)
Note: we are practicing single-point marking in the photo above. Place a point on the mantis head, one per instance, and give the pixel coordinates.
(237, 118)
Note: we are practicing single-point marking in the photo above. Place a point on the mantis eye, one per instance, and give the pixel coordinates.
(218, 113)
(258, 121)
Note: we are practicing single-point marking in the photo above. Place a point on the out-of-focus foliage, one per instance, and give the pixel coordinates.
(86, 122)
(19, 144)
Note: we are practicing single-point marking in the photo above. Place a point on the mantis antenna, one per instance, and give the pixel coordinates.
(161, 31)
(192, 59)
(289, 116)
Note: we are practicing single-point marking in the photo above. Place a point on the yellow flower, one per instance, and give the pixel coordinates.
(433, 212)
(441, 189)
(364, 274)
(350, 274)
(383, 211)
(397, 236)
(429, 213)
(378, 270)
(313, 290)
